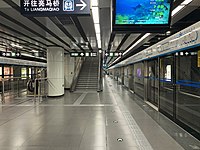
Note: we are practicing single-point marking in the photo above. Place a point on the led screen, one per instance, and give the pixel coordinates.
(142, 12)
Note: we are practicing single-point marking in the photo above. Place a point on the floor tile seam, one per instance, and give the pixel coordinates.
(17, 116)
(106, 135)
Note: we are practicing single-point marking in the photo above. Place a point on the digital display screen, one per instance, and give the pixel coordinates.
(142, 12)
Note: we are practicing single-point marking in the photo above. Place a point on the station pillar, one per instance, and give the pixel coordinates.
(55, 71)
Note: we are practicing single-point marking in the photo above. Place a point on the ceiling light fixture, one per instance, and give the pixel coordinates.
(136, 43)
(180, 7)
(116, 60)
(95, 14)
(97, 28)
(15, 45)
(94, 3)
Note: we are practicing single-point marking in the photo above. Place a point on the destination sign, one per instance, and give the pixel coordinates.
(54, 7)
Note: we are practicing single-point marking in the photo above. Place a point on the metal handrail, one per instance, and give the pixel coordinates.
(37, 91)
(77, 70)
(100, 88)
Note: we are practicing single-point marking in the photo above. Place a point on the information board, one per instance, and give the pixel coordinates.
(54, 7)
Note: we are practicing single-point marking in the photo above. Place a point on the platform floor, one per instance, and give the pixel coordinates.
(114, 119)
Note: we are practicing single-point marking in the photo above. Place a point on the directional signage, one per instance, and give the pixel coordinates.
(82, 54)
(10, 54)
(55, 7)
(113, 54)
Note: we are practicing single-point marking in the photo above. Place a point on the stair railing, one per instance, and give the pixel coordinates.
(77, 70)
(100, 79)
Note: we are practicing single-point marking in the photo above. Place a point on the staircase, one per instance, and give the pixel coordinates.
(88, 77)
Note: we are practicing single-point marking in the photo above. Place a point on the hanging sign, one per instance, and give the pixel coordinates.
(83, 54)
(54, 7)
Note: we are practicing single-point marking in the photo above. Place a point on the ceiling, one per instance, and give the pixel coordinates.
(78, 33)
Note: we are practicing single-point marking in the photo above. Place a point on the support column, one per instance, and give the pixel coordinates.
(55, 71)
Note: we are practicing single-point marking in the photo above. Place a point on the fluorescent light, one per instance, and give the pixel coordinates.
(136, 43)
(116, 60)
(177, 9)
(98, 36)
(99, 43)
(94, 3)
(95, 14)
(186, 2)
(34, 51)
(180, 7)
(97, 28)
(15, 45)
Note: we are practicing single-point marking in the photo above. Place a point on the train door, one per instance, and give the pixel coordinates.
(152, 81)
(167, 97)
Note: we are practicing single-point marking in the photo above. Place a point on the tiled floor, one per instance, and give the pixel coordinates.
(86, 120)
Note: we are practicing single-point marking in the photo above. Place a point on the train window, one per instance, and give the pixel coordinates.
(29, 72)
(23, 73)
(0, 73)
(8, 72)
(168, 72)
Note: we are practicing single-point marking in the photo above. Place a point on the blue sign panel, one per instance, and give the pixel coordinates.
(55, 7)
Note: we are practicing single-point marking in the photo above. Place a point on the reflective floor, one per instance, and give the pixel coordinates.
(86, 120)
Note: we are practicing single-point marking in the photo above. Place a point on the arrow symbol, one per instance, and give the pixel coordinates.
(186, 53)
(83, 5)
(106, 54)
(82, 54)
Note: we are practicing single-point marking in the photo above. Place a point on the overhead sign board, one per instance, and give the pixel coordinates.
(54, 7)
(83, 54)
(113, 54)
(10, 54)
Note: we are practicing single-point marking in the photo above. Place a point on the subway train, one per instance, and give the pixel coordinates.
(167, 77)
(15, 74)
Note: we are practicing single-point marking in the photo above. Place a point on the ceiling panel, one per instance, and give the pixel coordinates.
(117, 40)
